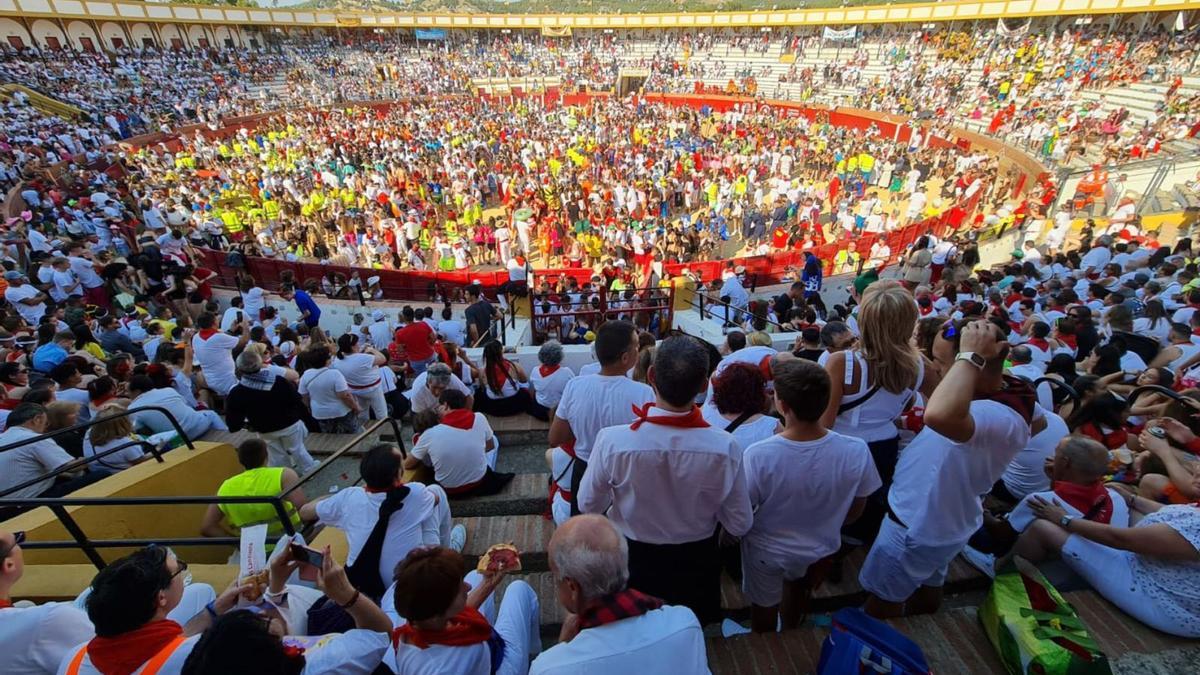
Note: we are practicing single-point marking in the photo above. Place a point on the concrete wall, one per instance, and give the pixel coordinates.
(110, 31)
(78, 31)
(140, 31)
(44, 28)
(196, 472)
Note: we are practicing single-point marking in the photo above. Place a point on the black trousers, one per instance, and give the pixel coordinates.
(885, 453)
(681, 574)
(578, 467)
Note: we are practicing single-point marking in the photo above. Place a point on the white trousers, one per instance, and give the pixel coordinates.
(371, 401)
(518, 622)
(286, 445)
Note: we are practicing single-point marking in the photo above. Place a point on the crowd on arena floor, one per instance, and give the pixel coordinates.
(879, 428)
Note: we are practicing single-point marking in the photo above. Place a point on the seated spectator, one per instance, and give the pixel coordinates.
(14, 378)
(268, 403)
(415, 515)
(325, 391)
(1076, 471)
(34, 638)
(62, 415)
(445, 630)
(245, 641)
(1026, 473)
(154, 389)
(34, 460)
(1150, 570)
(427, 388)
(361, 365)
(213, 351)
(112, 340)
(110, 432)
(461, 364)
(805, 484)
(739, 404)
(548, 381)
(68, 378)
(256, 480)
(54, 352)
(461, 449)
(416, 338)
(589, 559)
(500, 382)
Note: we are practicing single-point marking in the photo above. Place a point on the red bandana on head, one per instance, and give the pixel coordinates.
(691, 420)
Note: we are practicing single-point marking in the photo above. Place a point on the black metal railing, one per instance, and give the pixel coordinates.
(69, 467)
(89, 547)
(733, 316)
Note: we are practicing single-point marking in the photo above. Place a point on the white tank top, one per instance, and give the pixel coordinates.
(874, 419)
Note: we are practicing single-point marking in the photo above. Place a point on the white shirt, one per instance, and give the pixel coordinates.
(28, 462)
(802, 491)
(938, 481)
(361, 373)
(457, 455)
(86, 271)
(380, 334)
(321, 386)
(1022, 515)
(667, 485)
(355, 511)
(194, 424)
(423, 399)
(35, 640)
(230, 317)
(642, 644)
(116, 461)
(253, 302)
(1026, 473)
(591, 402)
(747, 433)
(548, 389)
(355, 652)
(1095, 259)
(31, 313)
(452, 331)
(215, 356)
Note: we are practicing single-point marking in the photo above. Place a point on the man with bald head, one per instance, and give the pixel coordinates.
(610, 627)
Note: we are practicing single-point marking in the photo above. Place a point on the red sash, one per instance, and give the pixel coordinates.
(692, 420)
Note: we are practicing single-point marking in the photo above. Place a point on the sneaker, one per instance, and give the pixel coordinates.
(730, 628)
(458, 538)
(984, 562)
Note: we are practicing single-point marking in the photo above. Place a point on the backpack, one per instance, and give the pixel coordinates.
(861, 644)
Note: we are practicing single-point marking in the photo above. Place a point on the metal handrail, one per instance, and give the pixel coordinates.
(703, 298)
(83, 461)
(106, 416)
(337, 454)
(89, 547)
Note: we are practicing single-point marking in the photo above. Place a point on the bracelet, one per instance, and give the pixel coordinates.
(353, 600)
(211, 609)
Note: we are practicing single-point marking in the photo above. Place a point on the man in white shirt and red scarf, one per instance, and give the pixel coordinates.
(610, 627)
(667, 481)
(976, 421)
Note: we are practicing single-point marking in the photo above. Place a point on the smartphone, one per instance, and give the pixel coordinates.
(307, 555)
(240, 318)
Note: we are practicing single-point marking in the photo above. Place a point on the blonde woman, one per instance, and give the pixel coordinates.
(871, 384)
(110, 432)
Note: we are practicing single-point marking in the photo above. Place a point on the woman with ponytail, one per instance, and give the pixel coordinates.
(501, 383)
(359, 363)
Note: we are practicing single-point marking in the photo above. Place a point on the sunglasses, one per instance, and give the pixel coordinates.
(180, 564)
(18, 539)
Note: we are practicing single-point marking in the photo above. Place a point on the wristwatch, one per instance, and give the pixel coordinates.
(972, 358)
(1065, 521)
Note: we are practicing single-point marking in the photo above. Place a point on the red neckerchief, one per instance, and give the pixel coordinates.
(468, 627)
(206, 333)
(500, 372)
(123, 654)
(1040, 343)
(5, 604)
(1018, 395)
(1068, 340)
(547, 371)
(624, 604)
(925, 311)
(692, 420)
(1093, 501)
(459, 419)
(1112, 440)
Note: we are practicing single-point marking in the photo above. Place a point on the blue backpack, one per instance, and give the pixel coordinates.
(861, 644)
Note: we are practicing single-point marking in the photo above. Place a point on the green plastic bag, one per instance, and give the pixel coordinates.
(1035, 630)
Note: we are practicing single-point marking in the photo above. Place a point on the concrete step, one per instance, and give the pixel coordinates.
(529, 533)
(953, 641)
(524, 496)
(523, 458)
